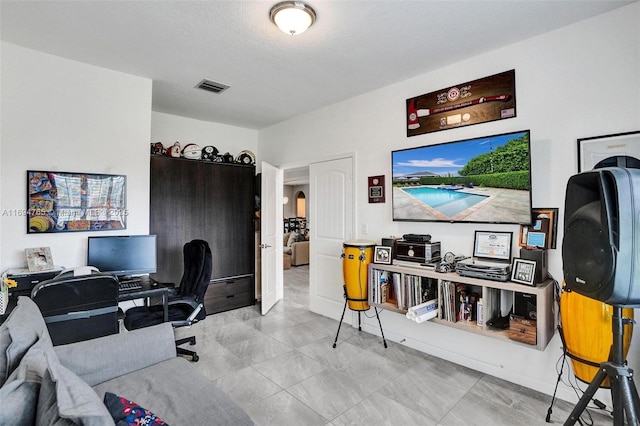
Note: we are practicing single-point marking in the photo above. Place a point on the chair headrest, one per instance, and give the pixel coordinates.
(78, 271)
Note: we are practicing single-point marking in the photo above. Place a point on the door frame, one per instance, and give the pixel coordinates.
(312, 199)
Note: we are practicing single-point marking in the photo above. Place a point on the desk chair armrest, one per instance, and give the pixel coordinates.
(105, 358)
(191, 301)
(191, 319)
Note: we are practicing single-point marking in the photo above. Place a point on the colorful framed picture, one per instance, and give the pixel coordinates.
(382, 254)
(617, 150)
(523, 271)
(72, 202)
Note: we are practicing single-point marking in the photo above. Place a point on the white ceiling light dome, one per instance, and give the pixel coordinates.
(292, 17)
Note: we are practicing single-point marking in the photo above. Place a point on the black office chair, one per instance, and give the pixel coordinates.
(78, 305)
(187, 306)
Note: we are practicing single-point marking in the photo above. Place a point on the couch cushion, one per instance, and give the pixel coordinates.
(293, 237)
(126, 412)
(178, 393)
(48, 392)
(18, 333)
(285, 238)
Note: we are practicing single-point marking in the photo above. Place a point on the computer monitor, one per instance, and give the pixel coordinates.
(123, 255)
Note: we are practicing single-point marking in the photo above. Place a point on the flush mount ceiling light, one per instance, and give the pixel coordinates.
(292, 17)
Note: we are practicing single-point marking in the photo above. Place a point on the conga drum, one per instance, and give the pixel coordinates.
(356, 256)
(588, 333)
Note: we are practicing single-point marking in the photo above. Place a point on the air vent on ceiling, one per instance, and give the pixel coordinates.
(212, 86)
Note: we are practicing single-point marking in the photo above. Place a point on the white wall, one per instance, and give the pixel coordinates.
(575, 82)
(167, 128)
(63, 115)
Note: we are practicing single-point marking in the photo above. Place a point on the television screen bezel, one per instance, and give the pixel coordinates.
(461, 141)
(130, 271)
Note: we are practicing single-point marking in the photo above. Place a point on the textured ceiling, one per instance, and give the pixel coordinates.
(354, 46)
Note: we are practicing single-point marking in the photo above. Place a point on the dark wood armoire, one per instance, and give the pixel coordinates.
(211, 201)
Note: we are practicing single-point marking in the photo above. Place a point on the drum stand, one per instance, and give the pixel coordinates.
(348, 299)
(624, 395)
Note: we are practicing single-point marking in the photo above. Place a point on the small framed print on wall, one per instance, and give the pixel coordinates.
(542, 232)
(376, 189)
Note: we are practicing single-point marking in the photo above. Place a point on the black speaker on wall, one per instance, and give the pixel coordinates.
(600, 248)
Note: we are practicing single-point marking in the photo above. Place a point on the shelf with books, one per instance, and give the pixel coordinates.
(456, 298)
(397, 291)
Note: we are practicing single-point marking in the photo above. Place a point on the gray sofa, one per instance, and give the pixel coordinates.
(64, 385)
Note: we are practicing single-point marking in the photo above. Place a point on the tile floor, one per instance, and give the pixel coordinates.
(281, 368)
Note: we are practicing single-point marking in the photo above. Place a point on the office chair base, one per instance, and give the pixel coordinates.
(181, 351)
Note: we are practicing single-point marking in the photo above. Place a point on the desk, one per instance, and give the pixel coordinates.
(150, 288)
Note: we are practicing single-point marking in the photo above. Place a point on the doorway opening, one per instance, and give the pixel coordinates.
(295, 219)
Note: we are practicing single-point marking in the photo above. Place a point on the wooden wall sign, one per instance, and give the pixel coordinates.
(376, 189)
(478, 101)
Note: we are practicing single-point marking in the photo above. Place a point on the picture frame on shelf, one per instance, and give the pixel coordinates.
(39, 259)
(382, 254)
(544, 221)
(523, 271)
(620, 149)
(492, 245)
(536, 239)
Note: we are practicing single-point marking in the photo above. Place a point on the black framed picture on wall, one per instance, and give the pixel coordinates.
(616, 150)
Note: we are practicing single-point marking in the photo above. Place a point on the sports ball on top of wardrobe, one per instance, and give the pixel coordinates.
(209, 153)
(157, 148)
(227, 158)
(192, 151)
(174, 151)
(246, 157)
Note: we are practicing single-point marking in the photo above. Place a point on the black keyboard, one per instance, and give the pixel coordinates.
(127, 285)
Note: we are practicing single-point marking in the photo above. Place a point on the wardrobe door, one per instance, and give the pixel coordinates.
(199, 200)
(229, 202)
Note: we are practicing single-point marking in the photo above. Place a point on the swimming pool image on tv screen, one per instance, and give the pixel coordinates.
(483, 180)
(447, 201)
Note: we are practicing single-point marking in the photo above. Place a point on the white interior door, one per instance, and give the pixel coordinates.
(271, 236)
(331, 215)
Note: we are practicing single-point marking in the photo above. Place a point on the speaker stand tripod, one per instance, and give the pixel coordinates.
(348, 299)
(624, 395)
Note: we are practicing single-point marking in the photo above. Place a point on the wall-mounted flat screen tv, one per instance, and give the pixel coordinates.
(482, 180)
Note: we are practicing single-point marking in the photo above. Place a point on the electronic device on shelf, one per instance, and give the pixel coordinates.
(448, 262)
(491, 257)
(417, 238)
(496, 271)
(418, 251)
(123, 255)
